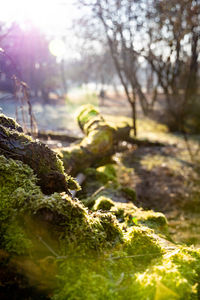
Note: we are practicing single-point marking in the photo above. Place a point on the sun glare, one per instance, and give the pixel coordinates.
(57, 47)
(52, 17)
(48, 15)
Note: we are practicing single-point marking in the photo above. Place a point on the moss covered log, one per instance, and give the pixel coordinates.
(96, 147)
(54, 247)
(99, 144)
(36, 228)
(20, 193)
(45, 163)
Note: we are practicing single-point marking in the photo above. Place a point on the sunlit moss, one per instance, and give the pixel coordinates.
(20, 196)
(97, 144)
(103, 174)
(166, 281)
(99, 141)
(10, 123)
(151, 219)
(120, 276)
(141, 241)
(103, 203)
(91, 254)
(44, 162)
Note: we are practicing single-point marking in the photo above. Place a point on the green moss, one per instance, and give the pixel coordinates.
(103, 203)
(130, 193)
(131, 215)
(152, 219)
(118, 212)
(83, 278)
(175, 277)
(93, 122)
(15, 239)
(99, 141)
(103, 174)
(141, 242)
(99, 135)
(17, 186)
(72, 183)
(44, 162)
(10, 123)
(96, 256)
(96, 148)
(118, 275)
(87, 112)
(108, 171)
(88, 202)
(111, 229)
(20, 196)
(18, 183)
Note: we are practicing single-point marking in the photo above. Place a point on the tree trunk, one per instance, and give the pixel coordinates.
(133, 106)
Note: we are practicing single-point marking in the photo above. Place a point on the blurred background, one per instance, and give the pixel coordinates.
(132, 58)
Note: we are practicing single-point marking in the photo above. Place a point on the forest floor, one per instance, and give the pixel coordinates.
(164, 178)
(166, 182)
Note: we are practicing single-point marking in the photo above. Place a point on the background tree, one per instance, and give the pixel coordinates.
(166, 36)
(120, 22)
(28, 57)
(91, 67)
(173, 53)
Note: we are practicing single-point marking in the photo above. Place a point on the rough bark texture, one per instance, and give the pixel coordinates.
(45, 163)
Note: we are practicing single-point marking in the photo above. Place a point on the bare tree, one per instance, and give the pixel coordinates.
(173, 51)
(119, 20)
(166, 35)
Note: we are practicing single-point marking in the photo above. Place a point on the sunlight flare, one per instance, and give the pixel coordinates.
(45, 14)
(57, 48)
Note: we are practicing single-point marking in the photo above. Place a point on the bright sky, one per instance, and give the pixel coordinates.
(47, 14)
(53, 17)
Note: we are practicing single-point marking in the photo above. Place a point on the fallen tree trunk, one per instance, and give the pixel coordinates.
(122, 134)
(99, 144)
(45, 163)
(57, 136)
(57, 245)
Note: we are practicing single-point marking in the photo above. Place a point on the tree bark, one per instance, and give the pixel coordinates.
(44, 162)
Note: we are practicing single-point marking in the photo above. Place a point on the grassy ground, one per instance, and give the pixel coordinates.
(55, 115)
(165, 178)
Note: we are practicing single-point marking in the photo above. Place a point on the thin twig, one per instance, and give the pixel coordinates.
(47, 246)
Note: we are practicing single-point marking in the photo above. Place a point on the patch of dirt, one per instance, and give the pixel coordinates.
(159, 187)
(163, 182)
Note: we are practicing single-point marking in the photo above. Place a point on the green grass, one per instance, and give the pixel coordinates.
(81, 96)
